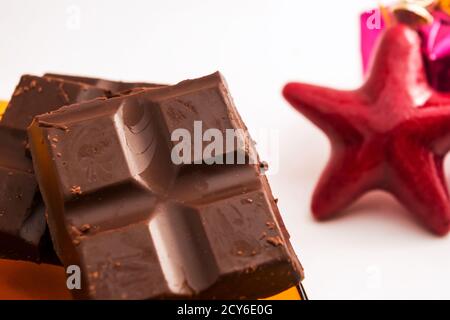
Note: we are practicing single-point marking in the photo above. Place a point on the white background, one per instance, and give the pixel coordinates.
(374, 251)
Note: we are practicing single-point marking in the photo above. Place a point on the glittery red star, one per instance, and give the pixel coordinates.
(390, 134)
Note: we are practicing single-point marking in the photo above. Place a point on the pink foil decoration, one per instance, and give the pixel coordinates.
(436, 39)
(435, 45)
(372, 24)
(436, 50)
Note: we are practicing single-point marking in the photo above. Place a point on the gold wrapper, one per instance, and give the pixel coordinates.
(429, 4)
(413, 13)
(444, 5)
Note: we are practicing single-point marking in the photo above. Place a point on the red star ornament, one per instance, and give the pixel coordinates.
(391, 134)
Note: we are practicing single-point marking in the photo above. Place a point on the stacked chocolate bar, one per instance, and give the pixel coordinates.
(23, 232)
(98, 172)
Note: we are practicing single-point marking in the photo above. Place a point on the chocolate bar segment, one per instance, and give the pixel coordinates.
(143, 227)
(38, 95)
(23, 234)
(113, 86)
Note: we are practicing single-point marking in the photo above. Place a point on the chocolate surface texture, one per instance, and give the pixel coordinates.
(140, 226)
(23, 233)
(112, 86)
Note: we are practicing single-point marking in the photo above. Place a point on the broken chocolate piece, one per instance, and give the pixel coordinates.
(23, 233)
(159, 229)
(28, 101)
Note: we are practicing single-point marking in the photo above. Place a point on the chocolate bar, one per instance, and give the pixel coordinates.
(143, 226)
(23, 234)
(112, 86)
(37, 95)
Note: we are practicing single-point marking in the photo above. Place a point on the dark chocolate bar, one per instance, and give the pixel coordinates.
(23, 227)
(142, 227)
(113, 86)
(38, 95)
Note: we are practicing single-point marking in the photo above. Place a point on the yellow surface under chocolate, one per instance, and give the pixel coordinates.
(24, 280)
(30, 281)
(290, 294)
(3, 105)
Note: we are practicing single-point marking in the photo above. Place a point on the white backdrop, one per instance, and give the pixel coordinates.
(377, 250)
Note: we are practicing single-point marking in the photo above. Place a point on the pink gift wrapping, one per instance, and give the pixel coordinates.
(436, 49)
(372, 24)
(436, 45)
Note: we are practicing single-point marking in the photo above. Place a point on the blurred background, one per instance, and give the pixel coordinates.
(375, 250)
